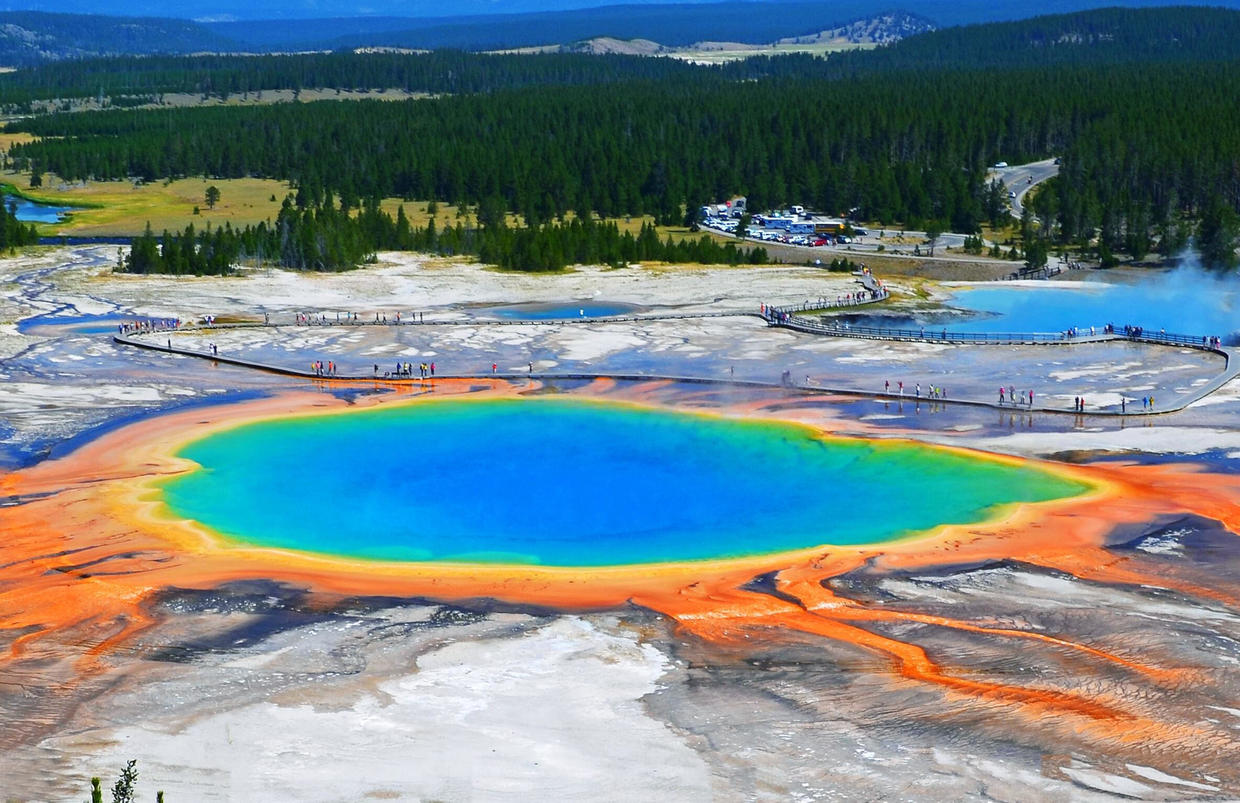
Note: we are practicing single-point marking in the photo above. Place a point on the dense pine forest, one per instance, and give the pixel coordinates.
(13, 232)
(1106, 36)
(908, 150)
(222, 76)
(331, 237)
(1150, 146)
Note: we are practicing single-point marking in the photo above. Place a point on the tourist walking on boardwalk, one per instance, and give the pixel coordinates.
(1000, 394)
(918, 390)
(901, 384)
(886, 384)
(494, 367)
(1031, 400)
(432, 369)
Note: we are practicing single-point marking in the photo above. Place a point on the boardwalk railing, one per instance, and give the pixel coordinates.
(1044, 272)
(1171, 338)
(851, 300)
(786, 317)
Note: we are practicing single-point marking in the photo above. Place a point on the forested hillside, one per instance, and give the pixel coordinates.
(444, 71)
(671, 24)
(34, 37)
(905, 150)
(329, 237)
(946, 12)
(1105, 36)
(1109, 36)
(1148, 145)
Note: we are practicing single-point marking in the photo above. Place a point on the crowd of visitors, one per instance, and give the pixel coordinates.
(148, 325)
(425, 370)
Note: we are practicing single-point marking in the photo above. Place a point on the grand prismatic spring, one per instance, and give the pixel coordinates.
(509, 582)
(619, 485)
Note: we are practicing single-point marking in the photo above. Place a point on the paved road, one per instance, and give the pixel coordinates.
(1020, 179)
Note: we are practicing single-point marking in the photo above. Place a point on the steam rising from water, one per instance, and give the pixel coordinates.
(1187, 300)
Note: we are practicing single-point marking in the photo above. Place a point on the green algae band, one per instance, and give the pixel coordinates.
(568, 483)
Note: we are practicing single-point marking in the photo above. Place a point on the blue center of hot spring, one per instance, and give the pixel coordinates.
(570, 483)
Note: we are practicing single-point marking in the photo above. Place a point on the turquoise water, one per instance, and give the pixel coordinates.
(1191, 306)
(1185, 301)
(546, 312)
(569, 483)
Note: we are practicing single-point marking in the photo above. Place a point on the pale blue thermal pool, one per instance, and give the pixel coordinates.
(1184, 302)
(80, 324)
(547, 312)
(570, 483)
(1200, 307)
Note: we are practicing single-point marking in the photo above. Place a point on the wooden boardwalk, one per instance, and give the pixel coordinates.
(784, 316)
(150, 341)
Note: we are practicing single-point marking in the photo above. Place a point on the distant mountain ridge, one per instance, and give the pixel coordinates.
(30, 37)
(880, 29)
(419, 12)
(1107, 35)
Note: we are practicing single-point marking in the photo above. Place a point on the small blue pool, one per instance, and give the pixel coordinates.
(31, 212)
(81, 324)
(551, 312)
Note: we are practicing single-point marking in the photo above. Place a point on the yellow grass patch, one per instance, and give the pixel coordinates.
(123, 208)
(19, 138)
